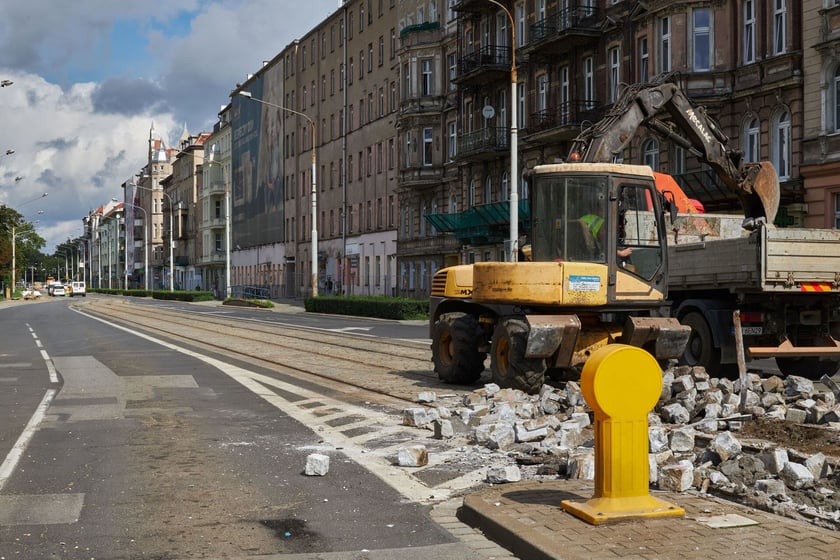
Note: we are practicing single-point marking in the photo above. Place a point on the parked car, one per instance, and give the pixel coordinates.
(56, 289)
(77, 289)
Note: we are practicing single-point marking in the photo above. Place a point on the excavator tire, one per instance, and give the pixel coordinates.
(808, 367)
(510, 368)
(456, 338)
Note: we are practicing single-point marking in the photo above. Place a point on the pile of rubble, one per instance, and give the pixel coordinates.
(693, 441)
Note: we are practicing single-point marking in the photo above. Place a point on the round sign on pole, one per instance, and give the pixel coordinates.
(488, 112)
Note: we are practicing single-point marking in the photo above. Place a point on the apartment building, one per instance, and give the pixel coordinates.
(820, 166)
(214, 199)
(105, 233)
(741, 59)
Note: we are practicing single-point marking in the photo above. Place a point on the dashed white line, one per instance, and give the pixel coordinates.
(11, 461)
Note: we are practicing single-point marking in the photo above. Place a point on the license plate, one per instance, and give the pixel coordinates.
(751, 330)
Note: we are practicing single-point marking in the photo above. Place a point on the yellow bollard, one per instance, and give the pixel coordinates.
(622, 384)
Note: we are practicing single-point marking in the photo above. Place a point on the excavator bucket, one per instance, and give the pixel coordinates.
(766, 187)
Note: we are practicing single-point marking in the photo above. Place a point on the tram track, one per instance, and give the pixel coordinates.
(346, 362)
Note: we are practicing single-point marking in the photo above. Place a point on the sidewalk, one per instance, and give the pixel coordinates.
(526, 518)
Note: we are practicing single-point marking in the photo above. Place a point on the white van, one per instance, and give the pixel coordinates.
(77, 289)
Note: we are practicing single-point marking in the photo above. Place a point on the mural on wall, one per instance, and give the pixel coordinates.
(256, 160)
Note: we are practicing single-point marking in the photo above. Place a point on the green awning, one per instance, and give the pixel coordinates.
(487, 223)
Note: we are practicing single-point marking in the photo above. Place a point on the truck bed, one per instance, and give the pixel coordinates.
(712, 252)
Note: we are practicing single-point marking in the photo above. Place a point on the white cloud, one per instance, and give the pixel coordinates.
(81, 140)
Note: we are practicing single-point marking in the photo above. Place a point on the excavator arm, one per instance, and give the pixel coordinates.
(755, 184)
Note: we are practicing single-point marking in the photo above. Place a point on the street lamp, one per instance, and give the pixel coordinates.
(145, 246)
(314, 249)
(171, 240)
(514, 148)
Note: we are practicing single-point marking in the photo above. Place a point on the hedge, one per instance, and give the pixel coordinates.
(369, 306)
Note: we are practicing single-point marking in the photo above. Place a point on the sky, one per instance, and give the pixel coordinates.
(91, 77)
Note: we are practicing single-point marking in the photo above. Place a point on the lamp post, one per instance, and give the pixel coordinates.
(514, 149)
(171, 240)
(314, 219)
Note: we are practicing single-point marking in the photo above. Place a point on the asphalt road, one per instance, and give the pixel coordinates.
(143, 451)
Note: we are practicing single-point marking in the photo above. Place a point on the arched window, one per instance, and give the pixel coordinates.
(471, 193)
(780, 143)
(650, 154)
(752, 139)
(505, 188)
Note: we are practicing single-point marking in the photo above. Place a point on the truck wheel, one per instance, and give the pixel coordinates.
(508, 363)
(456, 338)
(700, 350)
(809, 368)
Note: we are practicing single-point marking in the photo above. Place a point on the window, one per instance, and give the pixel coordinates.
(370, 57)
(452, 150)
(589, 82)
(615, 73)
(542, 93)
(393, 45)
(749, 31)
(520, 24)
(488, 191)
(350, 66)
(408, 149)
(427, 146)
(564, 94)
(837, 211)
(406, 82)
(702, 25)
(781, 144)
(433, 15)
(664, 45)
(453, 204)
(502, 31)
(644, 59)
(650, 154)
(426, 77)
(751, 140)
(472, 193)
(835, 95)
(453, 70)
(678, 160)
(361, 64)
(779, 27)
(505, 188)
(520, 117)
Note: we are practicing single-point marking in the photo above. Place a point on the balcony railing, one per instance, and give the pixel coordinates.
(487, 57)
(576, 17)
(493, 139)
(569, 114)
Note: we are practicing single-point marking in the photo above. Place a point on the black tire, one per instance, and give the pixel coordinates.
(510, 367)
(456, 338)
(700, 350)
(809, 368)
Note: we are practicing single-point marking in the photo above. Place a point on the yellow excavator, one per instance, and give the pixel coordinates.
(595, 270)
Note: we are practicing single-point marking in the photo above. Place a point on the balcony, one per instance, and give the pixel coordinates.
(563, 122)
(419, 34)
(421, 176)
(488, 65)
(216, 258)
(213, 188)
(212, 223)
(564, 30)
(483, 144)
(421, 105)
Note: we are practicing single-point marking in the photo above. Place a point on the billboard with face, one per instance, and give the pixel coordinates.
(257, 163)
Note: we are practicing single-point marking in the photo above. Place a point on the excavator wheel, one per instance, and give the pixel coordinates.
(510, 368)
(456, 338)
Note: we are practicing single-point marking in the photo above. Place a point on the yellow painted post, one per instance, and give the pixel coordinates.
(622, 384)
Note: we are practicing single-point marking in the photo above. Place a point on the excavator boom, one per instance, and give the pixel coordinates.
(755, 184)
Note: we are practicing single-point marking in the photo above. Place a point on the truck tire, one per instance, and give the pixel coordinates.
(809, 368)
(510, 368)
(700, 350)
(456, 338)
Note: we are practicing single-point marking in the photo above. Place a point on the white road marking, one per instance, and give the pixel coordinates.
(399, 478)
(11, 461)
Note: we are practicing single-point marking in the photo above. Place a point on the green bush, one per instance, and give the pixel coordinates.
(369, 306)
